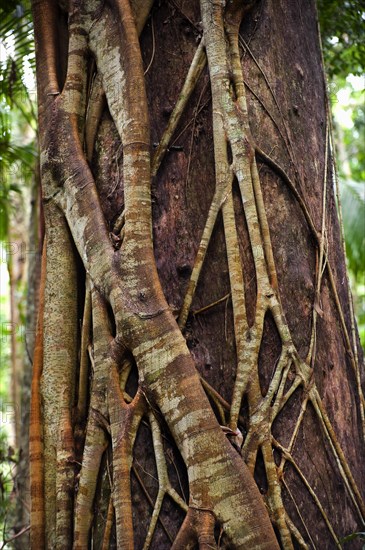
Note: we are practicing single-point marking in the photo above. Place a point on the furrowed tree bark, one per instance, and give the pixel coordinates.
(134, 368)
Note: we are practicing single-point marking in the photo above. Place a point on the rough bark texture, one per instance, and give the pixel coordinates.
(243, 282)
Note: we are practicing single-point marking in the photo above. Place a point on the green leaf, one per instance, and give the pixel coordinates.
(342, 28)
(353, 536)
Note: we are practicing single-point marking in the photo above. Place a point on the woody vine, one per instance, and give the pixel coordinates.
(128, 326)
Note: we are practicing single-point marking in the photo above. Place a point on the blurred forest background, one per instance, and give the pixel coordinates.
(341, 27)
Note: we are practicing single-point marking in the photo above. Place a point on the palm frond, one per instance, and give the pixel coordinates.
(16, 32)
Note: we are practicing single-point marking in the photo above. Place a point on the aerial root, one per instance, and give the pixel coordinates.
(198, 527)
(274, 496)
(164, 485)
(311, 491)
(84, 356)
(192, 78)
(108, 525)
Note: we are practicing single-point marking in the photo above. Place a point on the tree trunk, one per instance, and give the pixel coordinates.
(32, 251)
(195, 328)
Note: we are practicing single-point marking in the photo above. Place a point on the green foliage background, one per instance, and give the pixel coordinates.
(342, 29)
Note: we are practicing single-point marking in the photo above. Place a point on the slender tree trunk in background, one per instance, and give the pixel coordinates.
(15, 374)
(32, 253)
(20, 265)
(196, 329)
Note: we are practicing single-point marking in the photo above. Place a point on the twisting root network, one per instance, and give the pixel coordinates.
(123, 332)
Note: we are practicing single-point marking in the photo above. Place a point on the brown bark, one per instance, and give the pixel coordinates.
(236, 208)
(37, 519)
